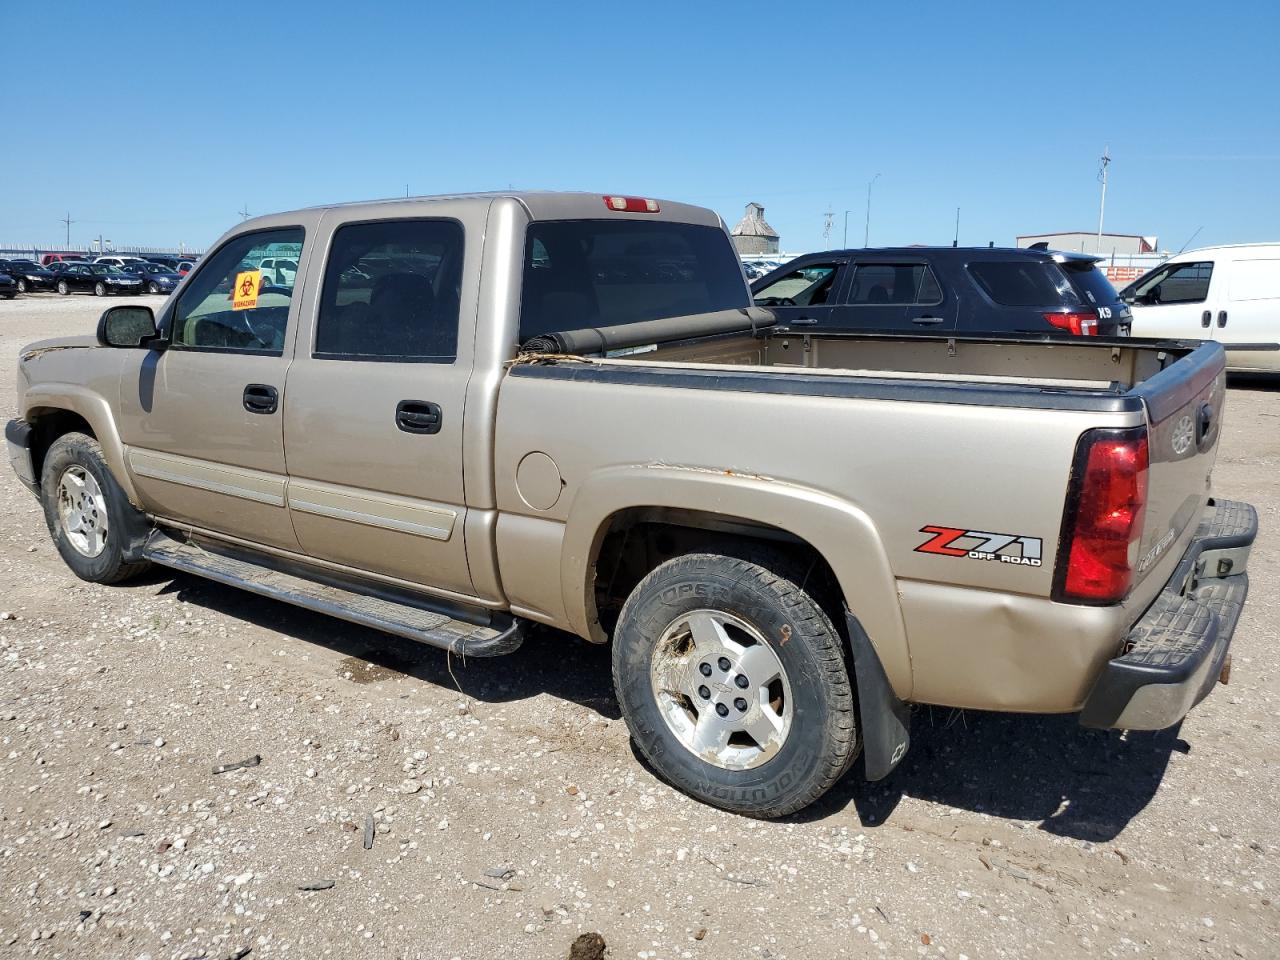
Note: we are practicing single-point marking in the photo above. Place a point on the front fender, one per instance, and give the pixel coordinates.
(96, 410)
(841, 533)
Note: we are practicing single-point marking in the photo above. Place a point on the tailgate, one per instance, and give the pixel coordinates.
(1184, 405)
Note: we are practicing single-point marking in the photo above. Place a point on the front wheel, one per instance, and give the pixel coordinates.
(63, 287)
(733, 682)
(22, 285)
(99, 289)
(153, 288)
(88, 515)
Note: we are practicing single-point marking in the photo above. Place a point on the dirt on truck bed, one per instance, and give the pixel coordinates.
(408, 805)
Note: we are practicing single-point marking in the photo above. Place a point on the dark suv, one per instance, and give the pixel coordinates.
(943, 289)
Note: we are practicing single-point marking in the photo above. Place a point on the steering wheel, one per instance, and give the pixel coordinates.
(253, 331)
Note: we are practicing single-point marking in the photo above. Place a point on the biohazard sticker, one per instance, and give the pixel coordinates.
(244, 295)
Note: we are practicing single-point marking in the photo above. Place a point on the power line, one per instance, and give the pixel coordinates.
(68, 221)
(244, 214)
(1102, 204)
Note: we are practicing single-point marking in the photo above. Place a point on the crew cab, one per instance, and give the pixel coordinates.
(462, 415)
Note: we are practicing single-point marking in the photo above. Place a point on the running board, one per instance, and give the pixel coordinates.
(402, 619)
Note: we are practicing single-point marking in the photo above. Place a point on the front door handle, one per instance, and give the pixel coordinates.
(927, 321)
(1206, 318)
(1222, 318)
(261, 398)
(805, 320)
(418, 416)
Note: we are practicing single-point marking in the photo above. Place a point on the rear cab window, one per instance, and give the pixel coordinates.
(599, 273)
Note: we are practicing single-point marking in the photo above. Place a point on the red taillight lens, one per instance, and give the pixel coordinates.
(1079, 324)
(632, 204)
(1105, 511)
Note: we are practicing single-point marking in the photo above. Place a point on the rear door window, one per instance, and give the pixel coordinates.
(878, 284)
(391, 292)
(598, 273)
(1025, 283)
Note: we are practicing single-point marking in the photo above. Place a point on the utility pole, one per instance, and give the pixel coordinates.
(956, 241)
(244, 214)
(1102, 204)
(846, 228)
(406, 191)
(826, 227)
(68, 221)
(866, 233)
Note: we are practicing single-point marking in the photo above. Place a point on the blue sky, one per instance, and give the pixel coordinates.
(155, 123)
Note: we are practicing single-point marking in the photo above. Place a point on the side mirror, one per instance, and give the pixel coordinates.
(127, 326)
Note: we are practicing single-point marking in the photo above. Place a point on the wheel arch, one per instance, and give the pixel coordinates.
(716, 504)
(56, 410)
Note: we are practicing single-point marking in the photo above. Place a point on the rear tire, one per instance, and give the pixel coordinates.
(767, 734)
(88, 515)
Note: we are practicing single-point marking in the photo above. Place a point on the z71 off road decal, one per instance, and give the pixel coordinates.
(982, 545)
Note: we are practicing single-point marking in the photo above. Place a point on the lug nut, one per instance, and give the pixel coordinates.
(724, 664)
(741, 705)
(741, 680)
(722, 709)
(704, 669)
(704, 693)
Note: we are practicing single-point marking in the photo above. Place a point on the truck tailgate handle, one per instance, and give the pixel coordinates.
(261, 398)
(418, 416)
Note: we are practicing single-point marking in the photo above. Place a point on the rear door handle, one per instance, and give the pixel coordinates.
(927, 321)
(1206, 318)
(1222, 318)
(418, 416)
(261, 398)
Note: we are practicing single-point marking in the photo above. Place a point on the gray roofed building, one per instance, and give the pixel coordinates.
(753, 234)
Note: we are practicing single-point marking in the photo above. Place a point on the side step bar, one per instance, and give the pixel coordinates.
(400, 618)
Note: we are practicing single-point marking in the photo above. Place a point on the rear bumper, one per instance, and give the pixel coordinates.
(1180, 647)
(18, 437)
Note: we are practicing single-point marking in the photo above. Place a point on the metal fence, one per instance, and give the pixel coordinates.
(34, 251)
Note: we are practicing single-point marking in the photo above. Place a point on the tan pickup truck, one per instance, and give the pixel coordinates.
(458, 415)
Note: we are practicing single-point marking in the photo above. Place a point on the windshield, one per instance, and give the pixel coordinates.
(597, 273)
(106, 270)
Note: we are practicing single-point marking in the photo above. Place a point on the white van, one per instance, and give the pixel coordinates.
(1230, 294)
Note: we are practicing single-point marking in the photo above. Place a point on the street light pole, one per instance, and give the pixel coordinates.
(846, 228)
(866, 234)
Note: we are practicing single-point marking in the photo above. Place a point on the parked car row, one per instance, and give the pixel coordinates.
(100, 276)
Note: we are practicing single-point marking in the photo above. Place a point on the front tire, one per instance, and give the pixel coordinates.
(99, 289)
(22, 285)
(732, 680)
(88, 515)
(63, 287)
(153, 288)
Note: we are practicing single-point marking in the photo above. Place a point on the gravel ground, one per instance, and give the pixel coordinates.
(509, 813)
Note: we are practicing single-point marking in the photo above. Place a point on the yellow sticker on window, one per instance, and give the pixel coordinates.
(244, 295)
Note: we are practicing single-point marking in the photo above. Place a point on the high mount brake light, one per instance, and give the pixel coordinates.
(632, 204)
(1079, 324)
(1102, 525)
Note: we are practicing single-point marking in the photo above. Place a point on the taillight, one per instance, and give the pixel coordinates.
(1079, 324)
(631, 204)
(1106, 505)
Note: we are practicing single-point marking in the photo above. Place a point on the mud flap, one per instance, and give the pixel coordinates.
(886, 720)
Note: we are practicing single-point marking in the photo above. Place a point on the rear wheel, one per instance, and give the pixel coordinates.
(733, 683)
(99, 289)
(63, 288)
(88, 515)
